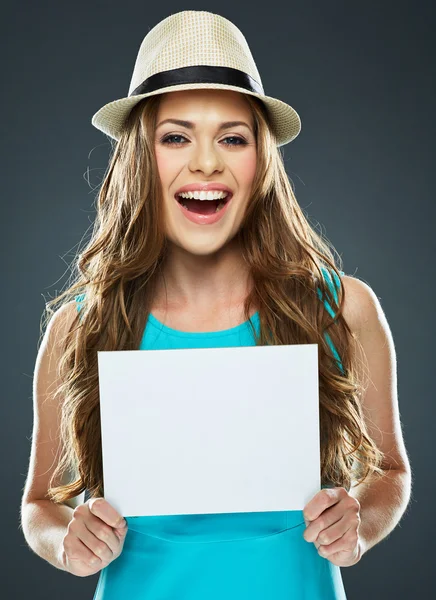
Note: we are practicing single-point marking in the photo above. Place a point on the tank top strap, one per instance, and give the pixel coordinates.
(79, 301)
(334, 283)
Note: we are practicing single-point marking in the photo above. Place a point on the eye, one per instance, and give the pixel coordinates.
(167, 140)
(241, 142)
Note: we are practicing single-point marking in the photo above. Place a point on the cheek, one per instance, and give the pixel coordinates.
(246, 169)
(167, 163)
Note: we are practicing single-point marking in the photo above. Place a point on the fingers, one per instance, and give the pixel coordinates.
(103, 510)
(95, 536)
(95, 533)
(104, 536)
(331, 520)
(78, 552)
(99, 547)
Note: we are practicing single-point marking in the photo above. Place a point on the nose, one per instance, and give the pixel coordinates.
(206, 158)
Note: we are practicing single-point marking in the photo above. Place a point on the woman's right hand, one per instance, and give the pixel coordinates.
(95, 537)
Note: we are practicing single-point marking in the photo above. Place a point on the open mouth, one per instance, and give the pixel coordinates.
(203, 207)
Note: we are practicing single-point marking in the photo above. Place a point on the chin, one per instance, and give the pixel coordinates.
(200, 250)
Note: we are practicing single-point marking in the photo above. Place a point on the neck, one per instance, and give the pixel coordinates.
(202, 282)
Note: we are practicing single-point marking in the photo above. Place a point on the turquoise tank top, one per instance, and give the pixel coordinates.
(236, 556)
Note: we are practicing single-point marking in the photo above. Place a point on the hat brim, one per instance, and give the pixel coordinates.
(284, 119)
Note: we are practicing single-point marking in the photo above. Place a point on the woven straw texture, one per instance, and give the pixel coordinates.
(191, 38)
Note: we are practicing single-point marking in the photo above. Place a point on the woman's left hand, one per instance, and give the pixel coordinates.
(332, 518)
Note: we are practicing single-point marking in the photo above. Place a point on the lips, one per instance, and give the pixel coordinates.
(205, 219)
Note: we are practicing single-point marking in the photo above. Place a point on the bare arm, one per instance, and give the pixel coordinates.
(383, 502)
(43, 522)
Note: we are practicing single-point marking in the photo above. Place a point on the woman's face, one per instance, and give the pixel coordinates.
(204, 153)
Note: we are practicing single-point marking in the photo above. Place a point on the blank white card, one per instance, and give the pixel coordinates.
(215, 430)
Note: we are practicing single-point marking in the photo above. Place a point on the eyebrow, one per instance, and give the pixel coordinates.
(191, 125)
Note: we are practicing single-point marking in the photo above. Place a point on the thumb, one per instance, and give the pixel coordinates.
(122, 530)
(121, 534)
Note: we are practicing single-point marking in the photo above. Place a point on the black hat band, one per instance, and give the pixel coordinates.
(198, 74)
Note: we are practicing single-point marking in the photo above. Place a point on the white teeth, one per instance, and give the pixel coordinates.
(210, 195)
(219, 207)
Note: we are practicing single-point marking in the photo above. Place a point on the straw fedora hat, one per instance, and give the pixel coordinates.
(195, 49)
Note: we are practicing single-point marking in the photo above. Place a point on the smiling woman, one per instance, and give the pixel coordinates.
(201, 243)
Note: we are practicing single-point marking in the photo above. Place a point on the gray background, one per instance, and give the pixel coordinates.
(361, 76)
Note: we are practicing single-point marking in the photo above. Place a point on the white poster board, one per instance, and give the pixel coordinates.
(216, 430)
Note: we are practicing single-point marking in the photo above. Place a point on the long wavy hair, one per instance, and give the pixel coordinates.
(117, 273)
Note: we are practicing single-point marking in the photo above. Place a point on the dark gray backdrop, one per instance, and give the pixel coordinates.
(361, 76)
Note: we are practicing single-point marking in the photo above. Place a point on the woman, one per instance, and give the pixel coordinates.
(240, 266)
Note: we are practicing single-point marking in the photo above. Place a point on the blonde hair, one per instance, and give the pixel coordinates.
(118, 270)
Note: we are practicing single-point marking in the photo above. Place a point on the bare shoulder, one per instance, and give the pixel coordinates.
(57, 328)
(362, 308)
(60, 323)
